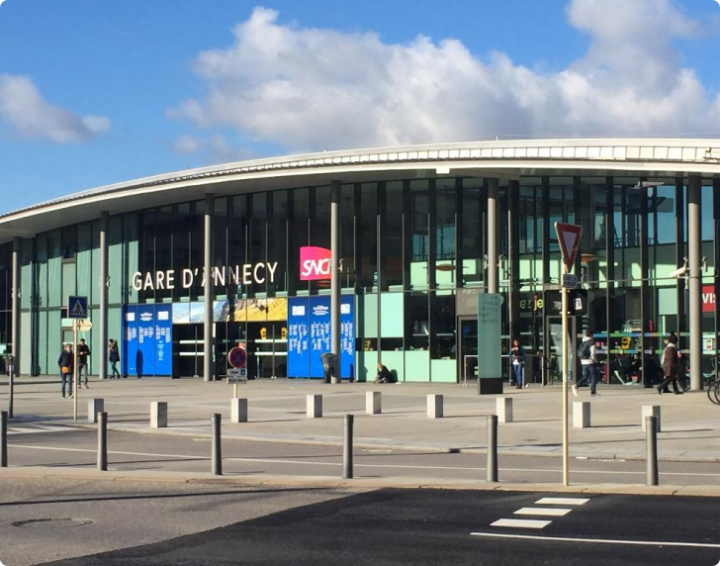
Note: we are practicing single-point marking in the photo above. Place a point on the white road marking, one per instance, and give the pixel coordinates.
(543, 511)
(596, 541)
(35, 429)
(521, 523)
(561, 501)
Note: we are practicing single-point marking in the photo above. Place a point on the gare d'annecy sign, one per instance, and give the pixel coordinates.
(315, 264)
(245, 274)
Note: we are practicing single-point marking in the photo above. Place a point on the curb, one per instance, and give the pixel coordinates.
(317, 482)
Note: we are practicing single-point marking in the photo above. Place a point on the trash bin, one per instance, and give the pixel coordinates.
(328, 362)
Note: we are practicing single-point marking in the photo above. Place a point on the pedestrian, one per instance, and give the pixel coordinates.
(587, 352)
(114, 358)
(517, 354)
(66, 363)
(82, 362)
(383, 374)
(669, 362)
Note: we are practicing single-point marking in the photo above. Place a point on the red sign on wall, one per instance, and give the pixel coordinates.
(708, 298)
(314, 263)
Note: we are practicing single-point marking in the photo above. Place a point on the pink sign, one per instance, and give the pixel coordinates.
(314, 263)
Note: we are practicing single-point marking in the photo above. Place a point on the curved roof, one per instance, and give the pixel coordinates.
(506, 159)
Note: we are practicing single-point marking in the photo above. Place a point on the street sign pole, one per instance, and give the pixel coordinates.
(76, 323)
(568, 236)
(566, 439)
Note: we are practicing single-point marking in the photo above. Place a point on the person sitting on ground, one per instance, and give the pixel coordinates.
(383, 374)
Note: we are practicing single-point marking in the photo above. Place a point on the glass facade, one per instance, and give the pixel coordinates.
(413, 254)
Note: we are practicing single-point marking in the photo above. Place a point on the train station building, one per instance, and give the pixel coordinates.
(180, 268)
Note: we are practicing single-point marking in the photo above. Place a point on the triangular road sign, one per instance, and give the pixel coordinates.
(568, 236)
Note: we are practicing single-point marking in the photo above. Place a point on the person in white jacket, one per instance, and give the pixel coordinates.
(587, 352)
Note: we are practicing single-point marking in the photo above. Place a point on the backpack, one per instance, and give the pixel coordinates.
(584, 350)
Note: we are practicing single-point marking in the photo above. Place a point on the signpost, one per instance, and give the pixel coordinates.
(77, 309)
(237, 358)
(568, 236)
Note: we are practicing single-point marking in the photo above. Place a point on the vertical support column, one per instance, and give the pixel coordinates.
(335, 278)
(694, 283)
(610, 315)
(209, 342)
(15, 330)
(680, 255)
(716, 251)
(644, 274)
(513, 258)
(102, 348)
(492, 234)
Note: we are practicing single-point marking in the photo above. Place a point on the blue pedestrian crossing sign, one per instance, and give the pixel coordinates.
(77, 307)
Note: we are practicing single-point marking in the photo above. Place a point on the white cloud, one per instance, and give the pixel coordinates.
(312, 88)
(24, 109)
(215, 148)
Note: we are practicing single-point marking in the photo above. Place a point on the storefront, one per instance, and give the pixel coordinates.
(421, 234)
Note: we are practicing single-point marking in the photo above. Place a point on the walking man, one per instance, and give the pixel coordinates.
(82, 362)
(66, 363)
(587, 352)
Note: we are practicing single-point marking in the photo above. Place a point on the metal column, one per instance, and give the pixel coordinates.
(492, 236)
(513, 259)
(208, 341)
(335, 277)
(15, 330)
(694, 281)
(102, 348)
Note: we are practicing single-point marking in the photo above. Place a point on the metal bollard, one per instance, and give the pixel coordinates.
(11, 392)
(492, 449)
(102, 458)
(3, 439)
(652, 461)
(348, 448)
(216, 445)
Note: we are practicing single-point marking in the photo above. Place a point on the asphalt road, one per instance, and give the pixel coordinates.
(423, 527)
(61, 446)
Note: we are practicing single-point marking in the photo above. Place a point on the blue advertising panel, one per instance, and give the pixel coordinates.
(163, 340)
(298, 331)
(309, 336)
(148, 340)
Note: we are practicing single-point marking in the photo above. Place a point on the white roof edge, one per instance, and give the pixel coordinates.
(381, 155)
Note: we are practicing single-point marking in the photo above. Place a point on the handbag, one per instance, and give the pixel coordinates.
(66, 369)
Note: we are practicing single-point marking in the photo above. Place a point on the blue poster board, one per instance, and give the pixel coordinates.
(148, 340)
(309, 336)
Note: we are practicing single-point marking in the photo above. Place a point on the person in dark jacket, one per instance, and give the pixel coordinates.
(383, 374)
(82, 362)
(66, 363)
(670, 363)
(114, 358)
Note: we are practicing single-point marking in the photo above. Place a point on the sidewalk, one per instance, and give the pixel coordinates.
(690, 423)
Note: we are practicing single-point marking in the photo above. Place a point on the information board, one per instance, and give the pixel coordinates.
(309, 336)
(147, 347)
(489, 335)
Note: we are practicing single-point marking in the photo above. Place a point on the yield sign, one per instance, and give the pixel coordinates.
(569, 237)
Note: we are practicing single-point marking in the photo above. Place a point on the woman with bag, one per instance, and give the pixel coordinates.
(113, 358)
(670, 363)
(66, 363)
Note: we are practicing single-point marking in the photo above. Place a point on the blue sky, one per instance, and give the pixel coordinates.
(93, 93)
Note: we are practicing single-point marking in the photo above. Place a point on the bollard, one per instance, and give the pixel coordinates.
(348, 448)
(492, 449)
(158, 414)
(11, 392)
(95, 406)
(651, 423)
(651, 411)
(238, 410)
(3, 439)
(504, 407)
(581, 414)
(102, 460)
(216, 445)
(373, 402)
(314, 406)
(435, 406)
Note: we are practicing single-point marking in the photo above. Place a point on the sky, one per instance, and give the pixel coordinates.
(99, 92)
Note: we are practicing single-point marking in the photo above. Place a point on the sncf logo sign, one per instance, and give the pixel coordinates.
(314, 263)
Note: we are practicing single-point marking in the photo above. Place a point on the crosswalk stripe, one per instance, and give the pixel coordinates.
(36, 429)
(561, 501)
(543, 512)
(521, 523)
